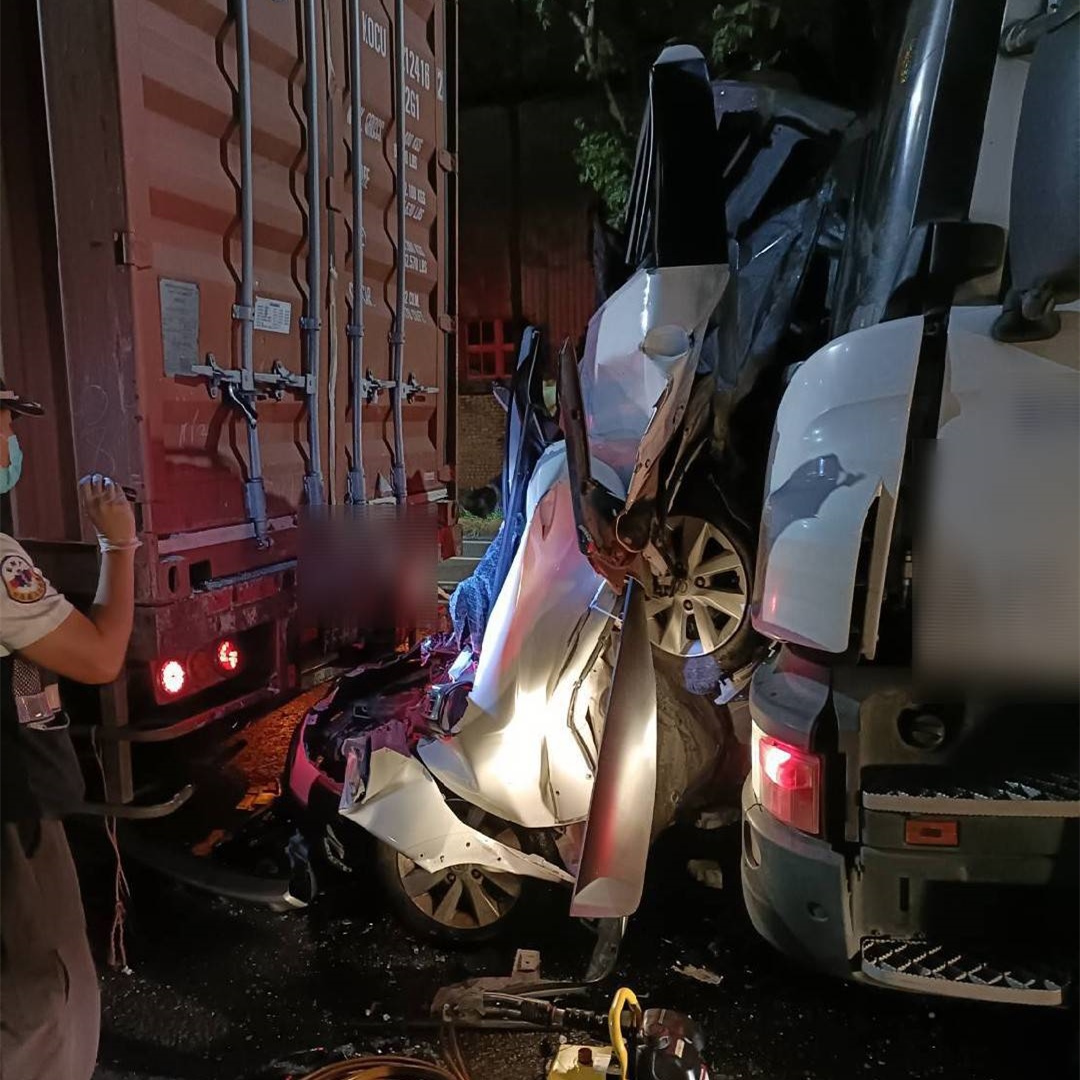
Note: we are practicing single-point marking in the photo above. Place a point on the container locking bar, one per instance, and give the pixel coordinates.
(412, 388)
(371, 387)
(244, 309)
(237, 383)
(356, 480)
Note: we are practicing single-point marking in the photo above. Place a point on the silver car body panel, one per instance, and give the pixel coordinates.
(611, 871)
(404, 807)
(528, 745)
(525, 748)
(642, 352)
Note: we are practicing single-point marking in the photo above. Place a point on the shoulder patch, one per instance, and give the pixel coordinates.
(24, 581)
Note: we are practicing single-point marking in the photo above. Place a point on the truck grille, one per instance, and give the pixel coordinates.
(952, 971)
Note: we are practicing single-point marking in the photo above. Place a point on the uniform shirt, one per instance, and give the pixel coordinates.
(30, 608)
(41, 773)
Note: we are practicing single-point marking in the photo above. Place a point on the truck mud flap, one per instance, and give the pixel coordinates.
(207, 875)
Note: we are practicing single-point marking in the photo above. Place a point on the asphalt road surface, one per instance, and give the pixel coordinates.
(224, 991)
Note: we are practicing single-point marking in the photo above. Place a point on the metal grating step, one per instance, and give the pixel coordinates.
(952, 971)
(1023, 794)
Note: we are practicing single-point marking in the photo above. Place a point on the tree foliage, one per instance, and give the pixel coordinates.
(604, 157)
(619, 39)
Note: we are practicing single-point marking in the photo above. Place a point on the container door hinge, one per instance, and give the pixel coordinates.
(448, 324)
(130, 251)
(447, 161)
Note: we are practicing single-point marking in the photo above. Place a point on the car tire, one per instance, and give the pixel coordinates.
(460, 906)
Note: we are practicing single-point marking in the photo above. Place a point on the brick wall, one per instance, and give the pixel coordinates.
(481, 435)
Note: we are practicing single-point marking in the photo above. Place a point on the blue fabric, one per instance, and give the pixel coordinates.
(471, 602)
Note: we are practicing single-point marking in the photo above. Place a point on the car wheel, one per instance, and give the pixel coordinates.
(705, 609)
(459, 905)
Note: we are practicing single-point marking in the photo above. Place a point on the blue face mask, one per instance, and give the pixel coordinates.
(9, 477)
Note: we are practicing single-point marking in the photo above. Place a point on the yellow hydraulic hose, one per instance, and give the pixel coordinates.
(623, 997)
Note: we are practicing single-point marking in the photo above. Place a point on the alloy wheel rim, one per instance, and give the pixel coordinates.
(467, 896)
(708, 600)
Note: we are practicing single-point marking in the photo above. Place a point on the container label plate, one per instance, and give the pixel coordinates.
(179, 325)
(274, 316)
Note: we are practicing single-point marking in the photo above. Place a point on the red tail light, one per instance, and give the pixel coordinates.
(227, 657)
(172, 677)
(787, 780)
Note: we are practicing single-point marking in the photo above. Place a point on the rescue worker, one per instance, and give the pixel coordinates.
(49, 998)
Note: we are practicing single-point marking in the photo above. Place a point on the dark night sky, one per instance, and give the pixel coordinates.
(503, 48)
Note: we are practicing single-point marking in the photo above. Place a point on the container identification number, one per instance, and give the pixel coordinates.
(376, 35)
(417, 68)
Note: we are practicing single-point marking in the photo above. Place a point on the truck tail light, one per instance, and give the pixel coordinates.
(172, 677)
(787, 781)
(227, 657)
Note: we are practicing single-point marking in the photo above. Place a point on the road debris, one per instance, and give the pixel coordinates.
(706, 872)
(700, 974)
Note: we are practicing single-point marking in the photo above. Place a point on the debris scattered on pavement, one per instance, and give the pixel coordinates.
(706, 872)
(205, 846)
(259, 797)
(700, 974)
(717, 819)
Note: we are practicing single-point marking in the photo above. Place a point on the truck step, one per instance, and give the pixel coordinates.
(1025, 793)
(961, 971)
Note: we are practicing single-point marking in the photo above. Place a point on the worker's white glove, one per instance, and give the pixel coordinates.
(109, 512)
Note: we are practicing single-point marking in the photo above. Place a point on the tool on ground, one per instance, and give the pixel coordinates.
(650, 1044)
(654, 1044)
